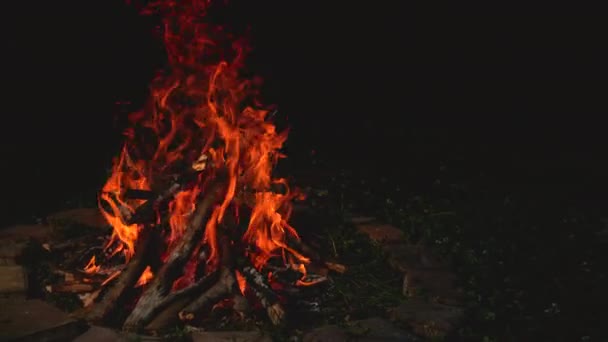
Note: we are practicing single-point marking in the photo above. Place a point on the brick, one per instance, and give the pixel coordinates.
(13, 280)
(230, 336)
(437, 284)
(34, 320)
(430, 320)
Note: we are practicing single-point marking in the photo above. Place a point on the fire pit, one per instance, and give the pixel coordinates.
(198, 219)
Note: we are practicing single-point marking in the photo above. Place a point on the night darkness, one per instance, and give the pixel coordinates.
(360, 84)
(517, 96)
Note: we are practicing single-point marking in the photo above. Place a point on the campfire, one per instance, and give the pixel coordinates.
(198, 218)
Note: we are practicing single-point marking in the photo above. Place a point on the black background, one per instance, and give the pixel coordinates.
(515, 90)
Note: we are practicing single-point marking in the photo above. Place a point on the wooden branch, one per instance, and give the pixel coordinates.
(172, 269)
(222, 288)
(127, 279)
(145, 212)
(167, 311)
(74, 288)
(258, 284)
(302, 248)
(140, 194)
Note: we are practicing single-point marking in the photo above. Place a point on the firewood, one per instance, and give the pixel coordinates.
(258, 284)
(225, 286)
(13, 279)
(74, 288)
(303, 248)
(145, 212)
(127, 279)
(181, 253)
(167, 311)
(222, 289)
(140, 194)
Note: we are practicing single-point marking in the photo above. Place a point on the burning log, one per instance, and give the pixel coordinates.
(263, 292)
(127, 278)
(168, 309)
(147, 306)
(314, 256)
(224, 286)
(145, 213)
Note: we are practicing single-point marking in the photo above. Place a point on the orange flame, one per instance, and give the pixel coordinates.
(145, 277)
(203, 114)
(92, 267)
(241, 281)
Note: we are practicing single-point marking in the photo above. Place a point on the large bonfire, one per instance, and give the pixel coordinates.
(197, 216)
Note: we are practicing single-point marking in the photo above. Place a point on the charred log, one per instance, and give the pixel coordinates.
(160, 286)
(128, 277)
(225, 286)
(259, 285)
(169, 308)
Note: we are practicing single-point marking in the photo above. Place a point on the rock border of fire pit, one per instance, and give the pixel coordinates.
(435, 305)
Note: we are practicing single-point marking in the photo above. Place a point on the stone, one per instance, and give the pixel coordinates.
(361, 219)
(99, 334)
(11, 251)
(403, 257)
(378, 329)
(103, 334)
(24, 232)
(34, 320)
(328, 333)
(437, 284)
(380, 232)
(13, 280)
(87, 217)
(430, 320)
(230, 336)
(367, 330)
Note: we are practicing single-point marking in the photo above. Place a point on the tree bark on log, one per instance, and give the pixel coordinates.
(147, 306)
